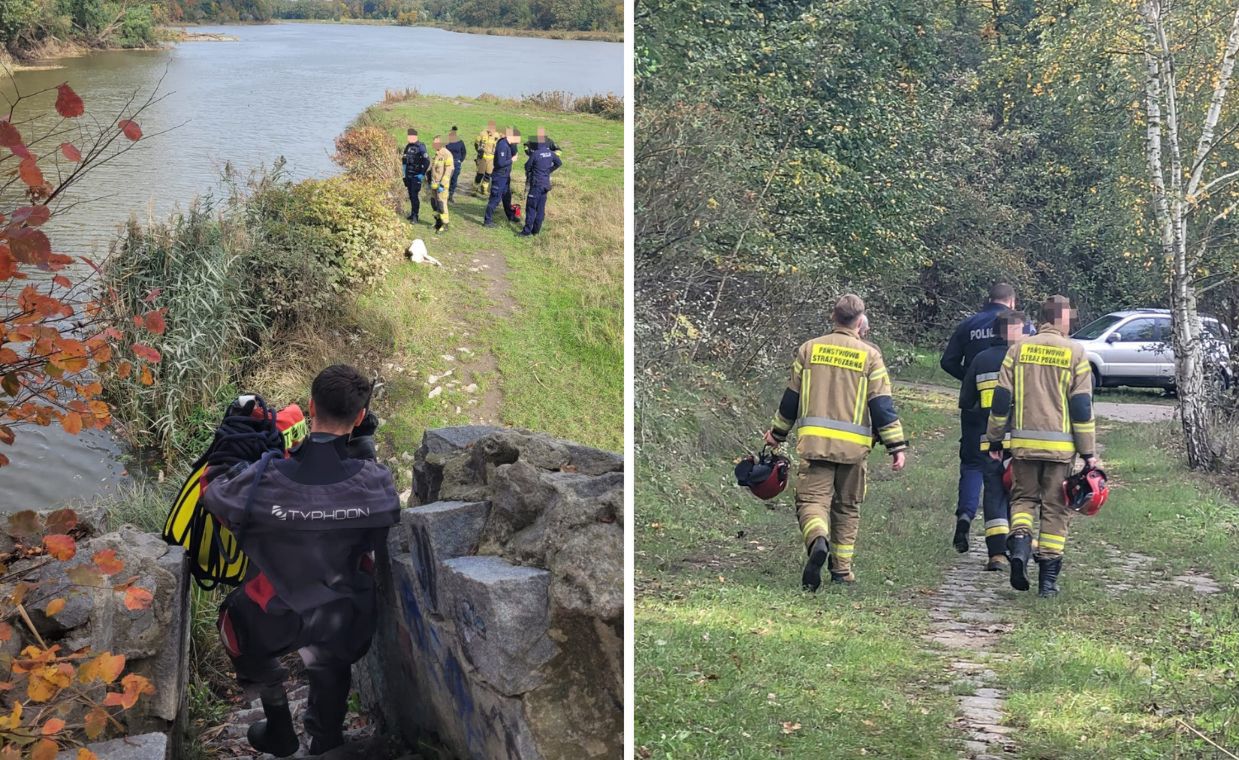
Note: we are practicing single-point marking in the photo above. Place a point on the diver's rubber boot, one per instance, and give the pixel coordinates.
(1047, 576)
(327, 707)
(276, 734)
(811, 579)
(960, 541)
(1019, 547)
(997, 562)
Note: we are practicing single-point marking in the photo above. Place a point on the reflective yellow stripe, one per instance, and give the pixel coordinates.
(987, 399)
(1007, 362)
(781, 424)
(1085, 427)
(1083, 367)
(1051, 542)
(842, 435)
(1031, 443)
(997, 530)
(986, 384)
(892, 433)
(845, 551)
(797, 367)
(1021, 520)
(814, 522)
(878, 374)
(862, 390)
(804, 393)
(999, 419)
(1063, 384)
(1018, 397)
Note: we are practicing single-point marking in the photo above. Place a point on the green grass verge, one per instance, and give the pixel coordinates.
(559, 349)
(721, 625)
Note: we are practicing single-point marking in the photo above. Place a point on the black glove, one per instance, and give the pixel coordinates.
(361, 441)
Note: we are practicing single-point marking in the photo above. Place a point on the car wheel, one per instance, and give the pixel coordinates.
(1096, 378)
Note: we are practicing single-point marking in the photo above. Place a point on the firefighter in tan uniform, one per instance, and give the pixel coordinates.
(839, 395)
(484, 147)
(1045, 398)
(440, 183)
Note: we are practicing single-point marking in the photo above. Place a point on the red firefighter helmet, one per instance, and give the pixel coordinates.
(1086, 491)
(516, 212)
(764, 474)
(1008, 478)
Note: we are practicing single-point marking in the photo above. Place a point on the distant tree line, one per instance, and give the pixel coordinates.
(568, 15)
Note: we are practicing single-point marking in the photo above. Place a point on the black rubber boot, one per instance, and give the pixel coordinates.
(1019, 547)
(327, 707)
(276, 734)
(811, 580)
(1047, 576)
(961, 535)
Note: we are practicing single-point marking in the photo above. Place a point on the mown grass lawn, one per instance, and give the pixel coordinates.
(732, 660)
(560, 351)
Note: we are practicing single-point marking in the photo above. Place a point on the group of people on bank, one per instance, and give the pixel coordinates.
(495, 153)
(1026, 414)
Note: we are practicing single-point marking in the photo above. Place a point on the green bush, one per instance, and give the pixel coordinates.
(235, 275)
(365, 236)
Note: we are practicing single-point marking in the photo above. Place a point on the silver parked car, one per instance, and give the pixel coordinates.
(1133, 348)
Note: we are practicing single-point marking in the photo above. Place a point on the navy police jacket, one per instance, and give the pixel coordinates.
(308, 523)
(503, 159)
(538, 167)
(974, 335)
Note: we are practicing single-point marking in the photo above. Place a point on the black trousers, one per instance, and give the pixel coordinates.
(330, 639)
(451, 190)
(415, 196)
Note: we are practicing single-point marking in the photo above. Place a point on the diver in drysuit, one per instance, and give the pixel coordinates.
(309, 525)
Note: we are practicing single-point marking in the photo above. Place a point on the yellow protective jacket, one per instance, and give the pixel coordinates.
(441, 168)
(485, 144)
(839, 393)
(1045, 397)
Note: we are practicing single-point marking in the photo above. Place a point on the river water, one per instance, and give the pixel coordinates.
(277, 90)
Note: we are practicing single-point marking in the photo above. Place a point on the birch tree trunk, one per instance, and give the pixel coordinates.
(1174, 202)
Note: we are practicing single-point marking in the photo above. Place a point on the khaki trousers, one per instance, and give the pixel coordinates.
(1040, 484)
(828, 497)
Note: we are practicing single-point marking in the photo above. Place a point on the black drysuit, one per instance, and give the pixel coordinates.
(309, 525)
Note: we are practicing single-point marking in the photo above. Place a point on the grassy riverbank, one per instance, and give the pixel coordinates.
(548, 310)
(734, 661)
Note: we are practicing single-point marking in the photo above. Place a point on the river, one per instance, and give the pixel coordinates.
(277, 90)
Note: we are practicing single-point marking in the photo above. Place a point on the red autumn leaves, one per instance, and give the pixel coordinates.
(49, 345)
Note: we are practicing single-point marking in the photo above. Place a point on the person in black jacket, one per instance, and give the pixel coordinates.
(456, 147)
(309, 525)
(971, 337)
(501, 177)
(541, 163)
(414, 162)
(976, 396)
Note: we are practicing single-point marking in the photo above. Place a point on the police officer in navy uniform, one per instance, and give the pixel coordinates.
(971, 337)
(456, 147)
(501, 177)
(976, 397)
(538, 167)
(415, 162)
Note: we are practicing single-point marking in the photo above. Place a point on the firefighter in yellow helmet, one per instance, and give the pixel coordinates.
(1045, 397)
(839, 395)
(440, 183)
(484, 147)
